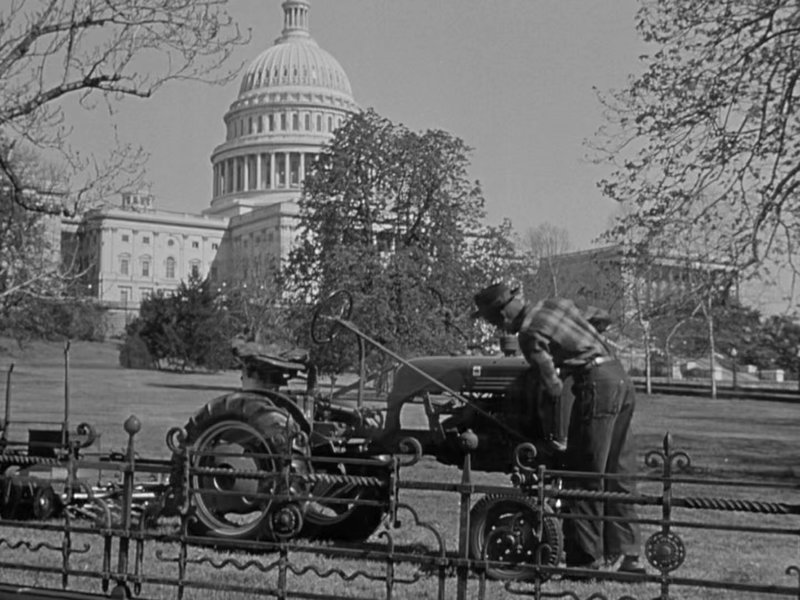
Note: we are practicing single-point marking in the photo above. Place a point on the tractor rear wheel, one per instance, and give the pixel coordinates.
(244, 434)
(505, 529)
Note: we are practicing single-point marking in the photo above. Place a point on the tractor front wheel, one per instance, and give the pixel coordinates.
(514, 530)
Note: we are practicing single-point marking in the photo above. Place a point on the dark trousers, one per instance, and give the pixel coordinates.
(600, 442)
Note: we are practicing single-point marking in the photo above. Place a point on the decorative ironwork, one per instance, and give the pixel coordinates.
(118, 520)
(665, 551)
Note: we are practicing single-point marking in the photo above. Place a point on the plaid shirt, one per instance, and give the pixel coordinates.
(554, 333)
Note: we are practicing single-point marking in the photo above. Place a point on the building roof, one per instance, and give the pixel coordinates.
(295, 61)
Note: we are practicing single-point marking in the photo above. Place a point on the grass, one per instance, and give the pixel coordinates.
(725, 439)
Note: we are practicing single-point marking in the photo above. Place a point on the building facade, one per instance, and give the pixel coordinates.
(291, 99)
(606, 278)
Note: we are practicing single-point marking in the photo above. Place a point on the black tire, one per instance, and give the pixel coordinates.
(346, 519)
(45, 503)
(509, 525)
(229, 432)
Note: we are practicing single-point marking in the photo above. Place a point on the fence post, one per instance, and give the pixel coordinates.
(469, 441)
(132, 427)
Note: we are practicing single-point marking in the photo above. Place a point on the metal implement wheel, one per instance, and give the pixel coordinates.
(505, 529)
(337, 511)
(324, 327)
(235, 433)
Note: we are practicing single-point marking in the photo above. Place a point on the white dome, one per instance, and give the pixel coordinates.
(295, 60)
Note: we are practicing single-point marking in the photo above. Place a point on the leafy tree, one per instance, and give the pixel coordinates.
(189, 329)
(390, 215)
(254, 298)
(705, 139)
(778, 345)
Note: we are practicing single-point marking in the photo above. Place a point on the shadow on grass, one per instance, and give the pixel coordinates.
(194, 386)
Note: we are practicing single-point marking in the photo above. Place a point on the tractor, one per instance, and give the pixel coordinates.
(331, 463)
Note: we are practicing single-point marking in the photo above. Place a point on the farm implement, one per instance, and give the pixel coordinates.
(275, 462)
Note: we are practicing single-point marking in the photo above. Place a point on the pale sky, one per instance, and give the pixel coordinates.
(512, 78)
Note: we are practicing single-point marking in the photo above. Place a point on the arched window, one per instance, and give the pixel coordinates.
(170, 268)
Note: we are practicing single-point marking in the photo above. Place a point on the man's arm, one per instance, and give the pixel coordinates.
(537, 352)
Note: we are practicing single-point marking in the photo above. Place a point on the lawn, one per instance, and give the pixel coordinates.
(724, 438)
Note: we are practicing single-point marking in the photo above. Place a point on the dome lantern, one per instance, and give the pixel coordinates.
(295, 20)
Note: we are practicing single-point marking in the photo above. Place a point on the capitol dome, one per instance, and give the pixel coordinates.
(291, 99)
(295, 61)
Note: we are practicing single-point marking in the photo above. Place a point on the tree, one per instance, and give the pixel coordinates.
(191, 328)
(706, 138)
(33, 273)
(540, 246)
(390, 215)
(95, 51)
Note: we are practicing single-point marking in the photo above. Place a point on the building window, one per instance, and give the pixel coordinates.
(123, 266)
(308, 122)
(330, 123)
(319, 122)
(283, 121)
(126, 237)
(146, 293)
(239, 174)
(272, 123)
(215, 246)
(146, 267)
(294, 168)
(252, 172)
(265, 168)
(280, 171)
(194, 268)
(145, 239)
(195, 244)
(170, 268)
(295, 122)
(124, 295)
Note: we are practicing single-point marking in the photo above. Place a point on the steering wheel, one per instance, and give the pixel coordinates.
(324, 327)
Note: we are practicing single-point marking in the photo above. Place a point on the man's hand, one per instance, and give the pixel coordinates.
(554, 386)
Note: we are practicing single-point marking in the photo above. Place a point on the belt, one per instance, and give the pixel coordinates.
(597, 361)
(591, 364)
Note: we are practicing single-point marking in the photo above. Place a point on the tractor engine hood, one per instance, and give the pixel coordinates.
(459, 373)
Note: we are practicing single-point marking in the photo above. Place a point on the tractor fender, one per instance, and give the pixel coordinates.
(282, 401)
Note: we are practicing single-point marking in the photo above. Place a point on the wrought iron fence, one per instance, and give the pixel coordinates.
(499, 538)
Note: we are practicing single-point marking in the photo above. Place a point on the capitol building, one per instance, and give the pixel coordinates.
(291, 99)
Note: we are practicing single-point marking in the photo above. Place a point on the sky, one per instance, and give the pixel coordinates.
(514, 79)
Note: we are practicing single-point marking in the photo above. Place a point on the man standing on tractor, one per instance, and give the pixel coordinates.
(556, 337)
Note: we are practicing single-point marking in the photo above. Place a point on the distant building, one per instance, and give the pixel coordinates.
(291, 98)
(129, 253)
(605, 277)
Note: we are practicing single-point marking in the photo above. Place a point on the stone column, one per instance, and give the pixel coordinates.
(258, 171)
(271, 170)
(245, 172)
(287, 175)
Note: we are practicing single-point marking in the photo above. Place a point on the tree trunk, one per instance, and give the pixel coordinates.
(711, 346)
